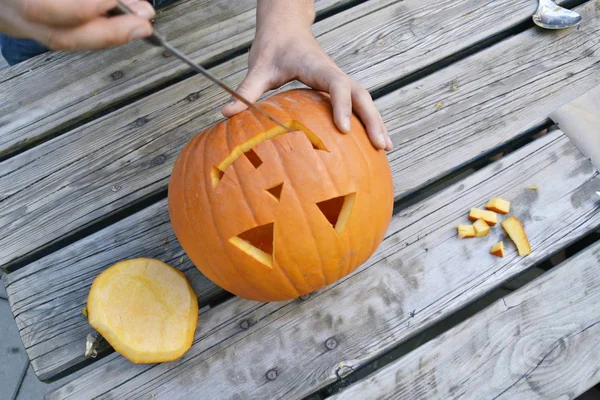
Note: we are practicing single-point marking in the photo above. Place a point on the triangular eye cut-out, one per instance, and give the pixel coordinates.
(275, 191)
(257, 243)
(216, 176)
(337, 210)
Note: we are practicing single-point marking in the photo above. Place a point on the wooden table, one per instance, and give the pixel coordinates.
(88, 140)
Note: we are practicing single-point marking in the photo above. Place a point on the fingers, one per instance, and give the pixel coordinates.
(311, 66)
(64, 12)
(347, 95)
(341, 99)
(141, 8)
(99, 33)
(71, 13)
(367, 111)
(254, 85)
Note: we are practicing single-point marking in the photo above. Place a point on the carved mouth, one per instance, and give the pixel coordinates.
(246, 148)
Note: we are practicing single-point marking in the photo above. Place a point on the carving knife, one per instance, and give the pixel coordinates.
(158, 40)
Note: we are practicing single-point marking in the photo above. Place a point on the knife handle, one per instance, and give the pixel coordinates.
(155, 39)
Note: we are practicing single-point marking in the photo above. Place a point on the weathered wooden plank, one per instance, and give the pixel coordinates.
(47, 351)
(137, 117)
(60, 293)
(420, 274)
(53, 91)
(129, 154)
(540, 342)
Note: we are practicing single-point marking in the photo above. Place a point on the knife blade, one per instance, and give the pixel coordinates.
(158, 40)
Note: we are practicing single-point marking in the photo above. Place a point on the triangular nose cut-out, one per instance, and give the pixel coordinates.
(275, 191)
(337, 210)
(257, 243)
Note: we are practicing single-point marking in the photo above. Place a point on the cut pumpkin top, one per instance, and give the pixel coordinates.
(145, 309)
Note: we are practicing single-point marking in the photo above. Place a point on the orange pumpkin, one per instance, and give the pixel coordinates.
(270, 215)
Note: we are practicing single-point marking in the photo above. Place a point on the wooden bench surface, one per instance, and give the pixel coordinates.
(72, 87)
(420, 274)
(515, 349)
(129, 154)
(83, 184)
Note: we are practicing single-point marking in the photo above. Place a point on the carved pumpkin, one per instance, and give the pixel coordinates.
(270, 215)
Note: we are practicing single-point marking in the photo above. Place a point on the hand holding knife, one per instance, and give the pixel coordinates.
(157, 39)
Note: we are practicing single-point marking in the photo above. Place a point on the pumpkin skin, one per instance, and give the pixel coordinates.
(270, 215)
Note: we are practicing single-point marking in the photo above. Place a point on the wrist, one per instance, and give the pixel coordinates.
(284, 15)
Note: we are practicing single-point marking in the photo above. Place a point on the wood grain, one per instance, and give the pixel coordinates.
(540, 342)
(147, 234)
(146, 241)
(105, 165)
(420, 274)
(55, 90)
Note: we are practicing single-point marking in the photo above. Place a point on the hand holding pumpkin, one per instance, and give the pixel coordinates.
(285, 49)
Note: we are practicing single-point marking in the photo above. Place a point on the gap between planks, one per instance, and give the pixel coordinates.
(538, 342)
(161, 103)
(421, 273)
(34, 333)
(145, 234)
(47, 95)
(95, 175)
(460, 316)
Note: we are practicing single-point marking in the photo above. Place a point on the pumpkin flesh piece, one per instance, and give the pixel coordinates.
(145, 309)
(498, 249)
(514, 230)
(481, 228)
(498, 205)
(490, 217)
(466, 231)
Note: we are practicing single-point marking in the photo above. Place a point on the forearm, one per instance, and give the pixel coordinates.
(280, 13)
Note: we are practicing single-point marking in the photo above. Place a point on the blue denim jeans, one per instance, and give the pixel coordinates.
(18, 50)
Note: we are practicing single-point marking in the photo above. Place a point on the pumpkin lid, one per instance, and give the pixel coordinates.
(145, 309)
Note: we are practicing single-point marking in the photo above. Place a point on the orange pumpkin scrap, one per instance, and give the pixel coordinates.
(498, 249)
(515, 231)
(270, 215)
(145, 309)
(481, 228)
(466, 231)
(490, 217)
(498, 205)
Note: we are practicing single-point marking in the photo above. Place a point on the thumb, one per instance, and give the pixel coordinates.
(253, 86)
